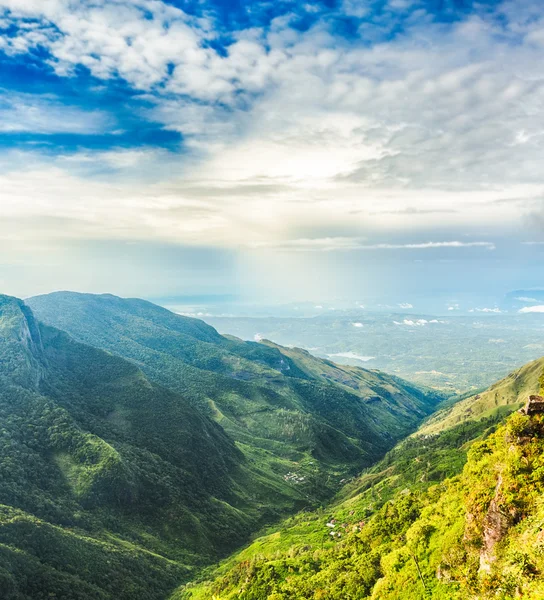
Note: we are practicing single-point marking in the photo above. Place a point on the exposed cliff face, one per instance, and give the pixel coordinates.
(533, 406)
(31, 329)
(495, 527)
(21, 346)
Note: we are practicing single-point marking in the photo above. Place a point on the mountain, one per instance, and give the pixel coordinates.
(111, 486)
(302, 423)
(503, 397)
(455, 514)
(454, 353)
(116, 483)
(139, 446)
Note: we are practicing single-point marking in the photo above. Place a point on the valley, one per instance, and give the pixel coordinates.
(454, 514)
(145, 436)
(188, 465)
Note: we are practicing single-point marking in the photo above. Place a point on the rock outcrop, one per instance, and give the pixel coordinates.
(533, 406)
(496, 525)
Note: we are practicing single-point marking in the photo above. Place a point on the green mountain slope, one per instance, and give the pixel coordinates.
(113, 486)
(110, 485)
(303, 423)
(422, 523)
(503, 397)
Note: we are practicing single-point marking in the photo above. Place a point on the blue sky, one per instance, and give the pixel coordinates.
(153, 147)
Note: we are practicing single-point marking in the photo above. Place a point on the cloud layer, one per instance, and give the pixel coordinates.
(383, 127)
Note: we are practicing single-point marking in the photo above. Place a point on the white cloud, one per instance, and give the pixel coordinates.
(405, 305)
(346, 243)
(44, 113)
(358, 325)
(414, 322)
(313, 118)
(425, 245)
(525, 299)
(488, 310)
(532, 309)
(313, 244)
(137, 40)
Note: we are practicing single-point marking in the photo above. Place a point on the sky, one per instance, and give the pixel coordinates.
(272, 151)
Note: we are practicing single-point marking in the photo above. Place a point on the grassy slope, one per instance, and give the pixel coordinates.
(503, 397)
(304, 424)
(411, 526)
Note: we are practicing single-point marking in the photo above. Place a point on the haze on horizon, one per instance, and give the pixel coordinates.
(271, 151)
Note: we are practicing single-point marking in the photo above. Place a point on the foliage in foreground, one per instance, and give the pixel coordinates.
(428, 541)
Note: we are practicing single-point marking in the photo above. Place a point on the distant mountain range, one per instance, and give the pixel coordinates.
(139, 445)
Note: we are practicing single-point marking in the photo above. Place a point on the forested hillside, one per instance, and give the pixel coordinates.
(115, 487)
(425, 522)
(110, 486)
(304, 424)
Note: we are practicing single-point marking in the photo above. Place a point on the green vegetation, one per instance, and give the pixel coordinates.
(502, 398)
(98, 497)
(113, 486)
(302, 423)
(123, 479)
(417, 525)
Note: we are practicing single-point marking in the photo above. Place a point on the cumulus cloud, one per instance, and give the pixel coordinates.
(413, 322)
(380, 132)
(418, 322)
(357, 325)
(405, 305)
(539, 308)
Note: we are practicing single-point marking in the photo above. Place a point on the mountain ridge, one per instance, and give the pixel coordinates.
(100, 461)
(265, 396)
(88, 467)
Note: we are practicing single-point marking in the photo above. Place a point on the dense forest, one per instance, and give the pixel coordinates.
(290, 414)
(122, 477)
